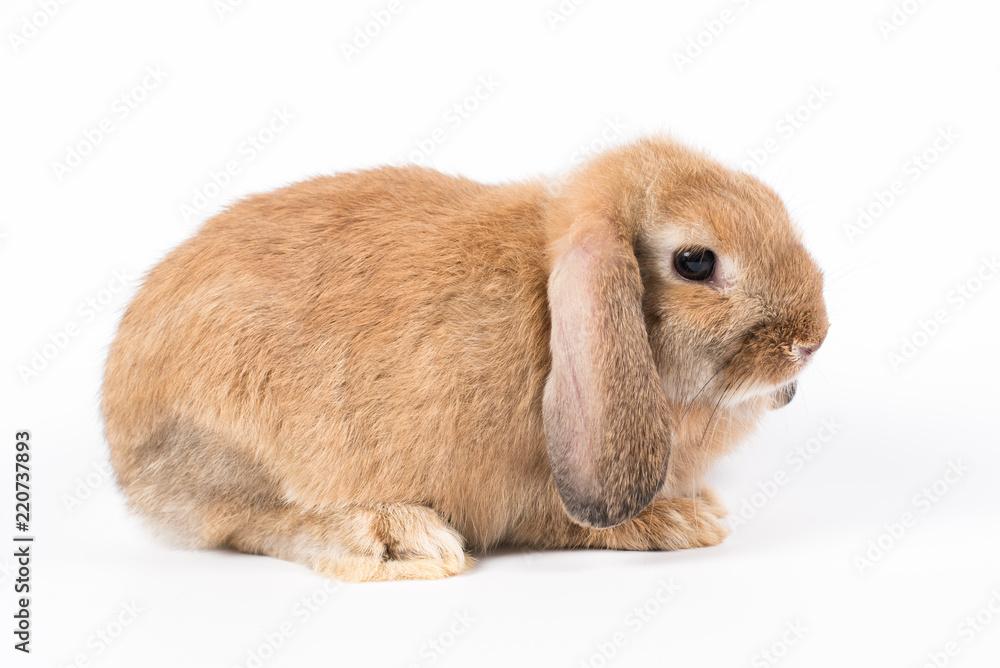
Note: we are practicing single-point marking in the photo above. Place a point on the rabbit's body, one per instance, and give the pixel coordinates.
(350, 372)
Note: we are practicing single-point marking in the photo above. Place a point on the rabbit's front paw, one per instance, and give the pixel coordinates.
(679, 523)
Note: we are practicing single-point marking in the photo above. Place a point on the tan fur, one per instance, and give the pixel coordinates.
(349, 372)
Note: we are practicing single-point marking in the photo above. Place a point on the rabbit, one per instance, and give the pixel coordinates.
(381, 374)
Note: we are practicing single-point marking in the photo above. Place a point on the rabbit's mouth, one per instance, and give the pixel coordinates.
(763, 369)
(784, 395)
(769, 359)
(737, 394)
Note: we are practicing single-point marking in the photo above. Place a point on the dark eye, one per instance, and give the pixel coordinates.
(695, 264)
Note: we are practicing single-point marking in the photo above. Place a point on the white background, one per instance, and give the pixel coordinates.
(604, 67)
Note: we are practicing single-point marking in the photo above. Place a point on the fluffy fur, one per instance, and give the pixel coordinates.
(374, 372)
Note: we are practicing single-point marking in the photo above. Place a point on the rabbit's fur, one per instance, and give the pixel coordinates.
(371, 373)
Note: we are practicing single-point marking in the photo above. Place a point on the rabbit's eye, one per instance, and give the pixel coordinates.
(695, 264)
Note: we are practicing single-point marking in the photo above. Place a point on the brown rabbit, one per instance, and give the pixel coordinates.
(369, 373)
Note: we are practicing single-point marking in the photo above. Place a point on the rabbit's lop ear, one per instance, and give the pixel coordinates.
(607, 427)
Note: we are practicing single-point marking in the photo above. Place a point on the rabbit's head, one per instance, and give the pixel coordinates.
(673, 280)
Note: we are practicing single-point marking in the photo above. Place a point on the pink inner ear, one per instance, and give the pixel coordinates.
(572, 395)
(604, 409)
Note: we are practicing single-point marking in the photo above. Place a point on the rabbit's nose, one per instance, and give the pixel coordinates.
(803, 352)
(803, 349)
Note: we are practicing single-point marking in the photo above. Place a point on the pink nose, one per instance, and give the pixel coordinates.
(804, 352)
